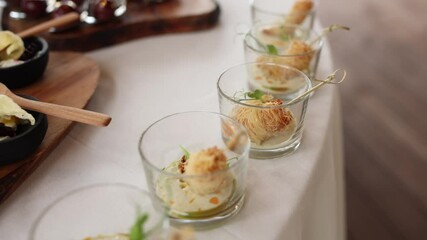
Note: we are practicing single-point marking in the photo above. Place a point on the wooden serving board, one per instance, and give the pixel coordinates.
(139, 20)
(70, 79)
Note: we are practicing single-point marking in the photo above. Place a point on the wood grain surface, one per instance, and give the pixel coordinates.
(385, 112)
(139, 21)
(67, 73)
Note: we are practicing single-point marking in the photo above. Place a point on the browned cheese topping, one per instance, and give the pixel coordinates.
(206, 161)
(262, 124)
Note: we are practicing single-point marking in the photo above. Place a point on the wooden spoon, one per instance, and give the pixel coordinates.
(44, 26)
(65, 112)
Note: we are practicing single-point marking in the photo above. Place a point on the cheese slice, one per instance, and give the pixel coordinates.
(11, 46)
(10, 111)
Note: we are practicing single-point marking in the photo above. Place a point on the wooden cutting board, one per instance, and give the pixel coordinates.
(139, 21)
(67, 73)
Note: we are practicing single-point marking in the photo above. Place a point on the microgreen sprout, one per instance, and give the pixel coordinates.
(244, 96)
(271, 49)
(257, 94)
(186, 153)
(137, 229)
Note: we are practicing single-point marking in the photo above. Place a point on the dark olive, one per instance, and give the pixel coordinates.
(63, 9)
(104, 10)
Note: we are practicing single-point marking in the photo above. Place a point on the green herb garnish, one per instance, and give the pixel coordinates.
(257, 94)
(137, 229)
(186, 153)
(244, 96)
(271, 49)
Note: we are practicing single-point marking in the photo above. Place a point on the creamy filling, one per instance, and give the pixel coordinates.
(278, 138)
(183, 201)
(259, 80)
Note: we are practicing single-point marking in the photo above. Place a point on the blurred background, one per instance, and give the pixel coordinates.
(384, 105)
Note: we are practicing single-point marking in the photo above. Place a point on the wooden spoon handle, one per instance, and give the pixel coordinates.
(56, 22)
(65, 112)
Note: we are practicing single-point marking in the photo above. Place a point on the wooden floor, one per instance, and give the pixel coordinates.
(385, 114)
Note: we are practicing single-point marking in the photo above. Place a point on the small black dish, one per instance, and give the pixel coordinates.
(35, 59)
(27, 140)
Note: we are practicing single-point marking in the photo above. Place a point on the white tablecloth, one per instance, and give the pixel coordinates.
(294, 197)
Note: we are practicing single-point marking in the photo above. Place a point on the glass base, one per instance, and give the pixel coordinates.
(211, 222)
(259, 153)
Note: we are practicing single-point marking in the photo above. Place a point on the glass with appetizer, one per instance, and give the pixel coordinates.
(196, 164)
(288, 45)
(260, 104)
(110, 211)
(290, 12)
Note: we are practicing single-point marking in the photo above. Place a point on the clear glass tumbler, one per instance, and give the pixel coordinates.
(285, 45)
(102, 211)
(195, 164)
(274, 127)
(294, 12)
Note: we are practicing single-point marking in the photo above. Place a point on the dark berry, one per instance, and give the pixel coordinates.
(34, 8)
(6, 131)
(104, 10)
(63, 9)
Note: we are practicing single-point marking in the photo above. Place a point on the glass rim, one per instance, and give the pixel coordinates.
(255, 7)
(75, 191)
(310, 31)
(222, 93)
(233, 165)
